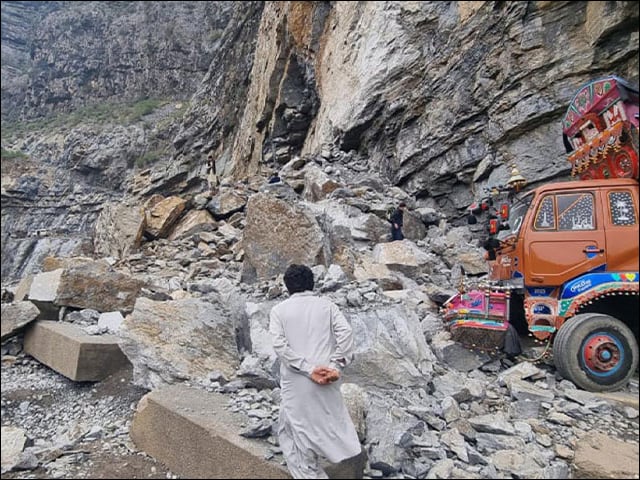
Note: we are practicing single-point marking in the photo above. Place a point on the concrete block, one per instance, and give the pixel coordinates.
(190, 431)
(68, 350)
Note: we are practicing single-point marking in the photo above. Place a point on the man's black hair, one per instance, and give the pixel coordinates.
(298, 278)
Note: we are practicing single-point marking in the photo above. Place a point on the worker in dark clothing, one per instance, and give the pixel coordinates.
(212, 176)
(396, 220)
(275, 178)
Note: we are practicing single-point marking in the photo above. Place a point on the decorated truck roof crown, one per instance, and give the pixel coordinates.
(600, 130)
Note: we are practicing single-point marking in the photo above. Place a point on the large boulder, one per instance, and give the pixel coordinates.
(194, 433)
(69, 350)
(366, 269)
(86, 285)
(390, 349)
(600, 456)
(278, 233)
(345, 223)
(119, 229)
(162, 216)
(195, 221)
(16, 315)
(317, 184)
(226, 203)
(404, 256)
(168, 342)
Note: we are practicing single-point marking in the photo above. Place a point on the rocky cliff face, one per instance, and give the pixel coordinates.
(59, 56)
(437, 98)
(436, 95)
(108, 82)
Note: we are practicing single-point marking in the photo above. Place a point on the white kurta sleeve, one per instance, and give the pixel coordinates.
(344, 340)
(281, 346)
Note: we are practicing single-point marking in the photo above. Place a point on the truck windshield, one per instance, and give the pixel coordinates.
(516, 215)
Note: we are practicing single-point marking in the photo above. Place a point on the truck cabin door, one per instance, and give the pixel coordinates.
(565, 237)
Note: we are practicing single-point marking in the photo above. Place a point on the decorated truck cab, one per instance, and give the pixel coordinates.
(564, 256)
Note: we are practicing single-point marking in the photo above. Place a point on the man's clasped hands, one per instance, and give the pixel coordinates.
(324, 375)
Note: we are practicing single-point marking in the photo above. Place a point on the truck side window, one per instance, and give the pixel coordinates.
(575, 212)
(546, 215)
(621, 208)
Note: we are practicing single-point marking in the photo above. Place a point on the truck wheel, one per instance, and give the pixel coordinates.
(596, 352)
(559, 343)
(559, 348)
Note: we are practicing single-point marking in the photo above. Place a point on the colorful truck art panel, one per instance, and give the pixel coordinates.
(478, 318)
(600, 130)
(475, 302)
(588, 287)
(541, 315)
(601, 97)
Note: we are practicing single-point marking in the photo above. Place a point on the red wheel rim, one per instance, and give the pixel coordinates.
(601, 353)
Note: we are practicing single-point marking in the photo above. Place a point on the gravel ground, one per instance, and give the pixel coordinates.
(82, 427)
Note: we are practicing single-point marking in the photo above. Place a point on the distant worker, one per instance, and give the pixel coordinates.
(212, 177)
(314, 342)
(397, 219)
(275, 178)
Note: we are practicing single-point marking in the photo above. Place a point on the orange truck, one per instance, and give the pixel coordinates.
(564, 256)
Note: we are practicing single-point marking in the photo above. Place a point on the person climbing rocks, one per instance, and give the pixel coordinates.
(397, 219)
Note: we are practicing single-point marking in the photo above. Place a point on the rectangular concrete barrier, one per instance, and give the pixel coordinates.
(190, 431)
(68, 350)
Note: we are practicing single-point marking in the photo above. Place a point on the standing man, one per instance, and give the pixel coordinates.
(396, 220)
(212, 177)
(314, 342)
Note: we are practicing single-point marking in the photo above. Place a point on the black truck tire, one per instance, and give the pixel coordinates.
(596, 352)
(559, 359)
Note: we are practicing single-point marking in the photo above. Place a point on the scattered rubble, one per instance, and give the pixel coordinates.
(192, 309)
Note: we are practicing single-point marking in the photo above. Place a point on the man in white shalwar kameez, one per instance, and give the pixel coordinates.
(314, 342)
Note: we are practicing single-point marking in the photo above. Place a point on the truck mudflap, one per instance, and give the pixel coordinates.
(478, 319)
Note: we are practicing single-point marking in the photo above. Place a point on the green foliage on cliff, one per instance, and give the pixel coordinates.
(148, 158)
(123, 114)
(139, 109)
(10, 154)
